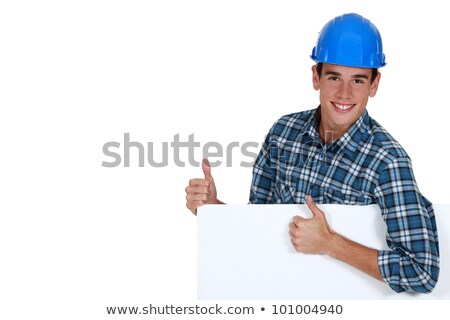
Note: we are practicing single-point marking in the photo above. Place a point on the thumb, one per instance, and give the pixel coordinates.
(313, 207)
(206, 169)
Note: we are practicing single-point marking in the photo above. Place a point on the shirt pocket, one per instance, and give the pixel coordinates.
(285, 192)
(334, 196)
(286, 185)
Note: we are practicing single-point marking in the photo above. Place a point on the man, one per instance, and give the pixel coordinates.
(338, 154)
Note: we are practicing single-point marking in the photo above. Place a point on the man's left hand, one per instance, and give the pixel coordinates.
(312, 235)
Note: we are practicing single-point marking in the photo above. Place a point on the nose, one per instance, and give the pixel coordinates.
(345, 90)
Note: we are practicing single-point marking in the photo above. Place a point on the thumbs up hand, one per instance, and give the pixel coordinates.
(312, 235)
(201, 191)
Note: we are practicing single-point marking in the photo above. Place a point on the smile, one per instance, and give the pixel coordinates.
(343, 107)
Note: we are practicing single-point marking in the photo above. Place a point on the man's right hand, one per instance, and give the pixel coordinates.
(201, 191)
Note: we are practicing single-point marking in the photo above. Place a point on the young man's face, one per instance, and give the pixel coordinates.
(344, 92)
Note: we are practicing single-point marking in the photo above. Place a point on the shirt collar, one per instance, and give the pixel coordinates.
(313, 124)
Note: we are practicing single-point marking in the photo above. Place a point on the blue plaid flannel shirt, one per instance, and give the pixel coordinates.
(365, 166)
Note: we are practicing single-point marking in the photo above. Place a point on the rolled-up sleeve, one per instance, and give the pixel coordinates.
(412, 264)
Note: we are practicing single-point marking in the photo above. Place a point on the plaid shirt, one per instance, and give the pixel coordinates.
(365, 166)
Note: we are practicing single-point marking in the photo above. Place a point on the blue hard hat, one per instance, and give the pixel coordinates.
(350, 40)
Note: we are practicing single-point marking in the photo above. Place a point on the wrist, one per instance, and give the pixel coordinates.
(337, 244)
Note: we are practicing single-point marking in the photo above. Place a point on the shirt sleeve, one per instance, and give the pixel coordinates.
(412, 264)
(264, 175)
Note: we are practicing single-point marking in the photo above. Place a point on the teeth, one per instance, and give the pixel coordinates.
(343, 107)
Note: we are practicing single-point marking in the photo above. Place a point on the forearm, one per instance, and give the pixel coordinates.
(422, 277)
(356, 255)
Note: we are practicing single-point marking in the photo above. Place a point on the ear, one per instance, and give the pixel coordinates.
(374, 85)
(315, 78)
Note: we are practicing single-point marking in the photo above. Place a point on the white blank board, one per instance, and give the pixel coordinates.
(244, 252)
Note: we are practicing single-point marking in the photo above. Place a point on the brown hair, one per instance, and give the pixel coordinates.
(319, 66)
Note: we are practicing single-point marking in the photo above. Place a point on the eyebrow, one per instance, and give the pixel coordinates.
(355, 76)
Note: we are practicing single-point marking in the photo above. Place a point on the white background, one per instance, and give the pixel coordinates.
(76, 237)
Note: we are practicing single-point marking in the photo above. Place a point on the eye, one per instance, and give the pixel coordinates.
(333, 78)
(358, 81)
